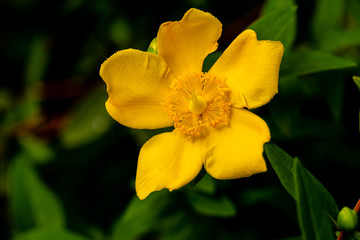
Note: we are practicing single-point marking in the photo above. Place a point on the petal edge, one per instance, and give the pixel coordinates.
(168, 160)
(236, 151)
(251, 69)
(184, 44)
(137, 82)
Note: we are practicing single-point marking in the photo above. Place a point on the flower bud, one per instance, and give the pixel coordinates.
(153, 46)
(347, 219)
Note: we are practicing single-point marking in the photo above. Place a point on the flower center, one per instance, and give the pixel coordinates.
(198, 100)
(197, 105)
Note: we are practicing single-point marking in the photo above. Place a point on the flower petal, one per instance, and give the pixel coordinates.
(235, 151)
(251, 69)
(167, 160)
(136, 83)
(185, 44)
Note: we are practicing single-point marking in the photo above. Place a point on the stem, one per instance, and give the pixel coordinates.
(340, 237)
(357, 207)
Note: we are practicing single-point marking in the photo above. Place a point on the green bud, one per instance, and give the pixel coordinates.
(347, 219)
(153, 46)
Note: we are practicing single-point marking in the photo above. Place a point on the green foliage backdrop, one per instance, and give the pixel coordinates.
(67, 169)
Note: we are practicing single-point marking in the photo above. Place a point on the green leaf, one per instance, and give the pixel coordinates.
(49, 234)
(36, 150)
(276, 5)
(312, 216)
(306, 62)
(334, 94)
(206, 184)
(211, 205)
(210, 60)
(32, 202)
(89, 121)
(354, 9)
(338, 40)
(254, 196)
(357, 235)
(327, 17)
(289, 33)
(283, 163)
(141, 136)
(281, 27)
(178, 226)
(140, 216)
(36, 62)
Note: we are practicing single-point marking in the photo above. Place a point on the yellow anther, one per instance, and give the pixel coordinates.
(197, 100)
(197, 105)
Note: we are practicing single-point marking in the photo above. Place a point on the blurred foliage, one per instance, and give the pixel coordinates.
(67, 169)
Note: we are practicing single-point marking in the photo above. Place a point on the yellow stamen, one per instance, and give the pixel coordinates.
(198, 100)
(197, 105)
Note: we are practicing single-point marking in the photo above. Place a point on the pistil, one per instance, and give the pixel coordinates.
(197, 104)
(198, 100)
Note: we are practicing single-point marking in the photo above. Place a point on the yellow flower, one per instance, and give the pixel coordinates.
(213, 127)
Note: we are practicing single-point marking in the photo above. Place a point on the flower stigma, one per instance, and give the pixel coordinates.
(197, 105)
(198, 100)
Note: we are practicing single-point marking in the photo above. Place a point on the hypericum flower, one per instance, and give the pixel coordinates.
(213, 127)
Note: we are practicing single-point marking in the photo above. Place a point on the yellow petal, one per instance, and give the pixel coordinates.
(185, 44)
(167, 160)
(136, 83)
(236, 150)
(251, 69)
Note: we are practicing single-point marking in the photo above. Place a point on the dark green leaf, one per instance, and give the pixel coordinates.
(140, 216)
(276, 5)
(32, 203)
(354, 9)
(338, 40)
(206, 184)
(334, 94)
(88, 121)
(254, 196)
(312, 216)
(141, 136)
(211, 205)
(49, 234)
(36, 149)
(177, 226)
(210, 60)
(306, 62)
(282, 27)
(283, 165)
(327, 17)
(37, 60)
(289, 34)
(357, 235)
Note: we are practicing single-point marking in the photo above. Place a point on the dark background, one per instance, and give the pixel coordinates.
(51, 52)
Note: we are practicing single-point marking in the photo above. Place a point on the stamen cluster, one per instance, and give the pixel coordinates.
(198, 100)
